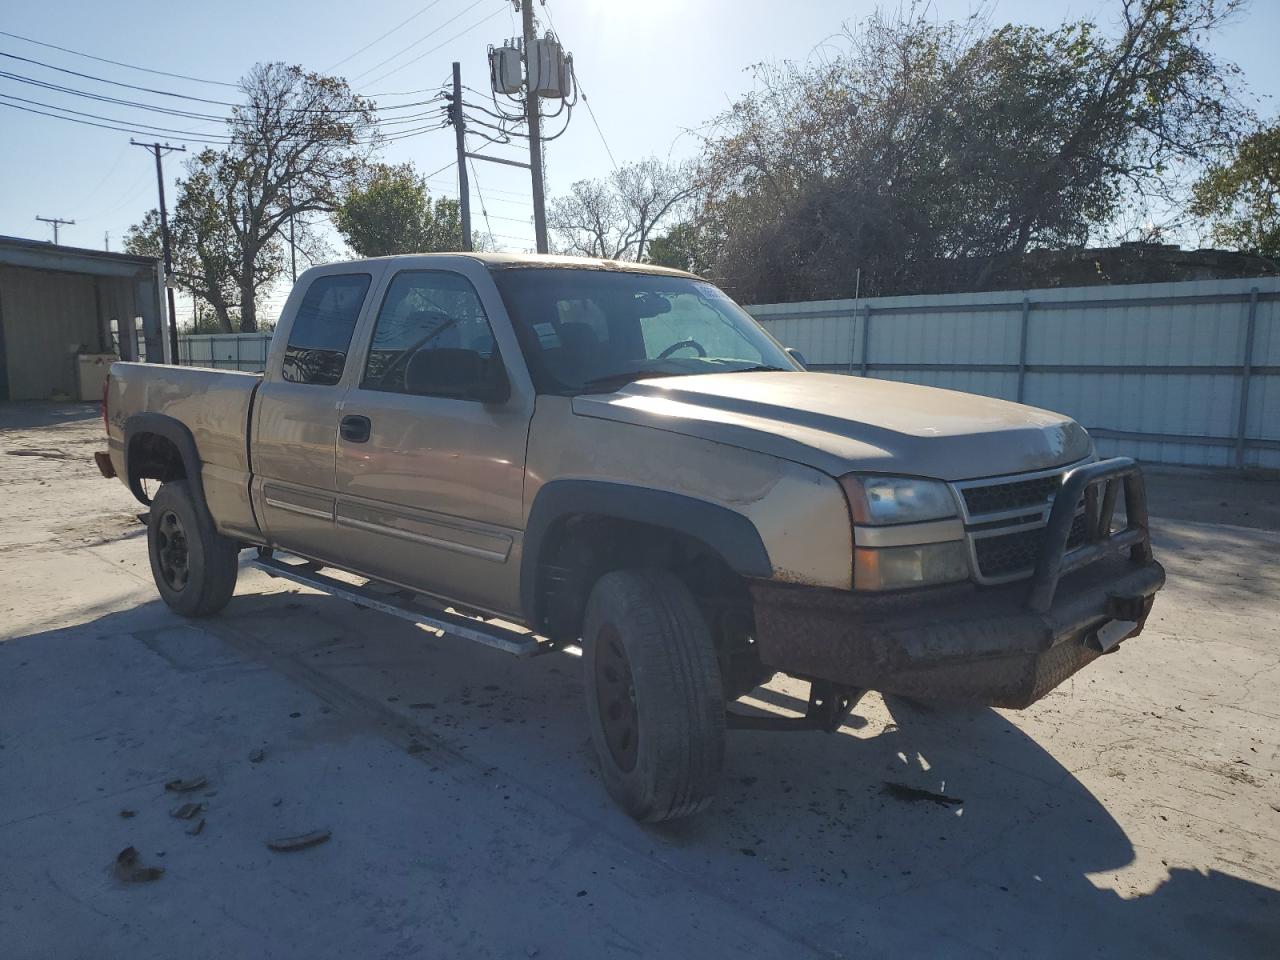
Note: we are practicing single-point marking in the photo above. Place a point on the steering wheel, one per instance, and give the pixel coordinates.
(702, 351)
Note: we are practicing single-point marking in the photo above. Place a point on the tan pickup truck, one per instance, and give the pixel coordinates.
(542, 453)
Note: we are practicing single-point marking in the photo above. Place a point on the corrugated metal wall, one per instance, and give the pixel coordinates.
(46, 317)
(1156, 371)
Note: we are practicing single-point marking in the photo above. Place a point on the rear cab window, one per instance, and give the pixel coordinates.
(320, 337)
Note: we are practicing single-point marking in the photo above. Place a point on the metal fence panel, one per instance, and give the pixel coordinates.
(225, 351)
(1157, 371)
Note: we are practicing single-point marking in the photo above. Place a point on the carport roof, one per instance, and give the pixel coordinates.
(37, 254)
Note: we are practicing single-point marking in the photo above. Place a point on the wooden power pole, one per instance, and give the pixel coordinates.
(160, 149)
(55, 222)
(460, 134)
(535, 131)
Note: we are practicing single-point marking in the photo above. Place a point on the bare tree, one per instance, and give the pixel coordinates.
(617, 218)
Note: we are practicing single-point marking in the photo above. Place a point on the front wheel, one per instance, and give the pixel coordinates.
(194, 566)
(654, 696)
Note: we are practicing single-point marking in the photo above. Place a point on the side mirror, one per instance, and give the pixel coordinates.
(464, 374)
(797, 356)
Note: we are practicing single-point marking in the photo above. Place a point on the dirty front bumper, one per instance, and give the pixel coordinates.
(1004, 646)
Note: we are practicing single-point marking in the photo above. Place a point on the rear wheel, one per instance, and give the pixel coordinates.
(194, 566)
(654, 695)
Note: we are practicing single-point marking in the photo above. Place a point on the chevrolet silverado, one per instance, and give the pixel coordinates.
(541, 453)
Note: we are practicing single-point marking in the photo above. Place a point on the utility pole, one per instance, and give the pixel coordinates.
(160, 149)
(293, 249)
(460, 135)
(535, 131)
(106, 241)
(56, 223)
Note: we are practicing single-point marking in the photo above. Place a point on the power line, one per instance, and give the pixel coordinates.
(578, 83)
(385, 35)
(441, 170)
(94, 116)
(118, 83)
(484, 211)
(115, 164)
(105, 126)
(422, 39)
(439, 46)
(179, 96)
(117, 63)
(104, 98)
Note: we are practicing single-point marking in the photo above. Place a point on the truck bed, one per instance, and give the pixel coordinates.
(214, 405)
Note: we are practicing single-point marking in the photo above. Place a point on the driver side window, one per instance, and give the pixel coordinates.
(431, 323)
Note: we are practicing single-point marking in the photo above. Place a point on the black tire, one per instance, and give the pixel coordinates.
(651, 669)
(194, 566)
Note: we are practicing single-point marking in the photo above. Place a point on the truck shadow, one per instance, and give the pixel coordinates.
(805, 833)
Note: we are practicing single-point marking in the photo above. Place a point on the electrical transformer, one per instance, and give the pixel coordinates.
(550, 70)
(505, 73)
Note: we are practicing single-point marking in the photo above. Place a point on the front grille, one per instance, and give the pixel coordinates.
(1010, 553)
(999, 497)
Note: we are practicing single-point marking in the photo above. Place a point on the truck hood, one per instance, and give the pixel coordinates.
(840, 424)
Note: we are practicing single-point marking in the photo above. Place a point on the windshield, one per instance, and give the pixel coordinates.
(589, 330)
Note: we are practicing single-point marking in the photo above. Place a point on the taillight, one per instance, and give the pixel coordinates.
(106, 385)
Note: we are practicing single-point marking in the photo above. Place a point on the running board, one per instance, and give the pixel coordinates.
(402, 604)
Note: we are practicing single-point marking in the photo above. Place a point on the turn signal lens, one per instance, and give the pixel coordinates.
(891, 568)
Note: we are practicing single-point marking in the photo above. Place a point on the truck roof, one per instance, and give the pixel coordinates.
(510, 261)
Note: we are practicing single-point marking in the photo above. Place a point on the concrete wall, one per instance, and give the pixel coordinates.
(1185, 373)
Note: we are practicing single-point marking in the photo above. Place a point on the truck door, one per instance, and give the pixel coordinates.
(430, 491)
(297, 414)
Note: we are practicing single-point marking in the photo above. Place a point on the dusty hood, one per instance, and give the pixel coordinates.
(838, 423)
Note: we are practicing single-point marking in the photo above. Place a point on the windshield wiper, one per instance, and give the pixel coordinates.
(600, 384)
(758, 367)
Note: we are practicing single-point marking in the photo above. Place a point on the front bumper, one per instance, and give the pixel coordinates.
(1004, 646)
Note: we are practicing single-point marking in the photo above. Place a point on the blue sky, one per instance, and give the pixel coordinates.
(651, 69)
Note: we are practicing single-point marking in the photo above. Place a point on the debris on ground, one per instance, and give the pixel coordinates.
(257, 756)
(128, 869)
(300, 842)
(903, 792)
(196, 827)
(187, 810)
(185, 786)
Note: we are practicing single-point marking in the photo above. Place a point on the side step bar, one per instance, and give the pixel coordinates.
(403, 605)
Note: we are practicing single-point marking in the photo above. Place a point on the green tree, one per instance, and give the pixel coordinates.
(928, 148)
(1240, 198)
(682, 248)
(389, 209)
(206, 250)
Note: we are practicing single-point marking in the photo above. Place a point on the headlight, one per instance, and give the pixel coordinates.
(880, 500)
(907, 533)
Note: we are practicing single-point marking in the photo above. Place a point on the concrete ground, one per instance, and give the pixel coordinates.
(1134, 812)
